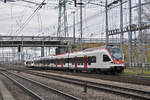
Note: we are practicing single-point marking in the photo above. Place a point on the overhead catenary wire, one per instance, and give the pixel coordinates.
(96, 14)
(40, 22)
(18, 19)
(29, 18)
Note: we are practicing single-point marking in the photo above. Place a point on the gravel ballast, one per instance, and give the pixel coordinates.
(16, 92)
(76, 90)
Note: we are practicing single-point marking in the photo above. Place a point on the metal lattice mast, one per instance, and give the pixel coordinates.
(65, 19)
(59, 20)
(140, 36)
(81, 23)
(106, 22)
(130, 34)
(121, 25)
(62, 19)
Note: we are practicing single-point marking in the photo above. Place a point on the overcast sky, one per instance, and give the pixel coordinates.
(44, 22)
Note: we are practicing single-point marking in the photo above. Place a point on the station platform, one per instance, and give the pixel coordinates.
(4, 93)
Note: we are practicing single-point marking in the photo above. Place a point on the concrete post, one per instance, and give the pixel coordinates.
(42, 51)
(19, 54)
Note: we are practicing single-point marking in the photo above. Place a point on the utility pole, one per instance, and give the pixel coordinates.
(130, 34)
(121, 26)
(62, 19)
(81, 24)
(140, 36)
(106, 26)
(59, 20)
(65, 19)
(135, 52)
(74, 27)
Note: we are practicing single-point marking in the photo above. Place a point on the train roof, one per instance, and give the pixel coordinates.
(101, 47)
(78, 53)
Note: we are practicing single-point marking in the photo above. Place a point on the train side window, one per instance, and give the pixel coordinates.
(58, 62)
(52, 61)
(41, 61)
(106, 58)
(89, 60)
(78, 61)
(66, 60)
(69, 60)
(48, 61)
(44, 61)
(38, 61)
(63, 60)
(55, 61)
(72, 59)
(93, 59)
(82, 60)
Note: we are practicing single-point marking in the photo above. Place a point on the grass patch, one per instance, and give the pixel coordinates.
(137, 71)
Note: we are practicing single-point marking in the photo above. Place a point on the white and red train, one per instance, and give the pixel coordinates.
(100, 59)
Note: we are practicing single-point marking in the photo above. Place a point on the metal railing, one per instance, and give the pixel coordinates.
(63, 39)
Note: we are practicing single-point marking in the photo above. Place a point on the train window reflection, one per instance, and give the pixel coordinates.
(106, 58)
(115, 53)
(93, 59)
(89, 60)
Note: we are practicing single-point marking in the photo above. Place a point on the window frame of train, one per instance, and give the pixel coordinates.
(89, 60)
(51, 61)
(47, 61)
(106, 60)
(58, 61)
(93, 59)
(72, 60)
(61, 61)
(38, 61)
(80, 60)
(55, 61)
(44, 61)
(66, 60)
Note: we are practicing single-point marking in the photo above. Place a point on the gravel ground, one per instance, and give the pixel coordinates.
(139, 80)
(141, 87)
(44, 93)
(133, 79)
(76, 90)
(16, 92)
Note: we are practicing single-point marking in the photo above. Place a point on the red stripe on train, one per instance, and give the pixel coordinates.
(75, 62)
(62, 62)
(85, 62)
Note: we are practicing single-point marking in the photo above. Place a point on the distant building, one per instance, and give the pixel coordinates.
(147, 37)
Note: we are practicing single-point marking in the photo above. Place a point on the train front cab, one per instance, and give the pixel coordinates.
(107, 64)
(115, 57)
(29, 64)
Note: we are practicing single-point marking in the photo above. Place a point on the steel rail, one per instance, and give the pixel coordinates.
(49, 88)
(26, 90)
(136, 93)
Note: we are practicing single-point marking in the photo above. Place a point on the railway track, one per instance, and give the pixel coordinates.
(38, 90)
(120, 90)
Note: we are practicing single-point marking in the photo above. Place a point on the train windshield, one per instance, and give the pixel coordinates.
(115, 53)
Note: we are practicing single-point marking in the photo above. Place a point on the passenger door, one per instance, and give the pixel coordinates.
(106, 61)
